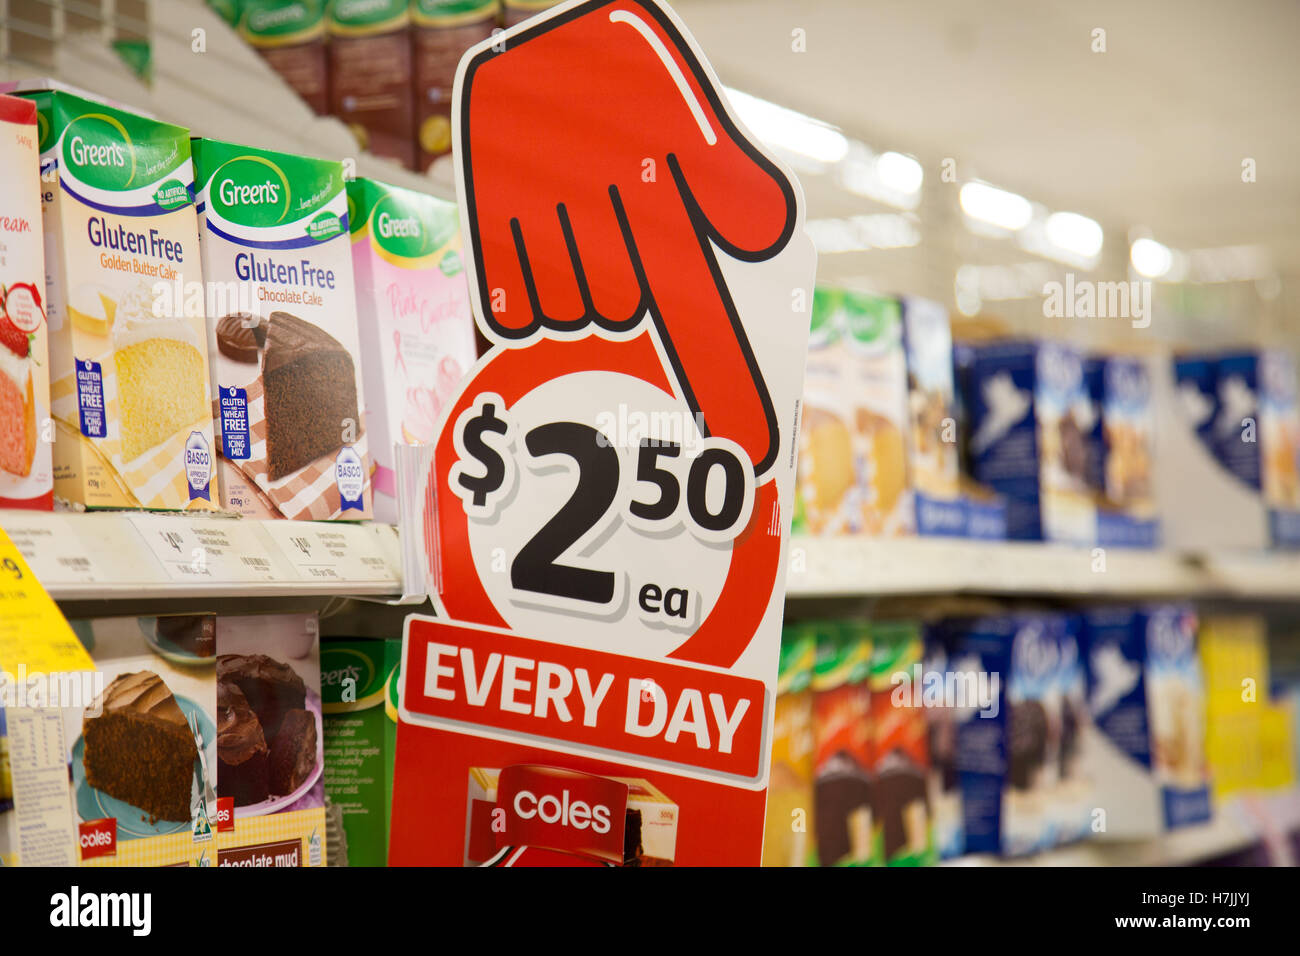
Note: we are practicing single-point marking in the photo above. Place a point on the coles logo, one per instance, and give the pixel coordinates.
(98, 838)
(563, 810)
(225, 814)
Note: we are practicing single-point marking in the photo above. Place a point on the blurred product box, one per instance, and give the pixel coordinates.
(359, 700)
(984, 510)
(1147, 695)
(370, 88)
(290, 36)
(842, 801)
(1029, 414)
(788, 833)
(852, 466)
(1008, 756)
(1230, 434)
(932, 432)
(1072, 805)
(901, 817)
(943, 719)
(1120, 451)
(441, 32)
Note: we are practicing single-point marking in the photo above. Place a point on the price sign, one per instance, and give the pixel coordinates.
(609, 500)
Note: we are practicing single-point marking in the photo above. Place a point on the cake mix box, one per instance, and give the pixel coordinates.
(983, 509)
(270, 755)
(1147, 697)
(417, 334)
(944, 715)
(129, 377)
(290, 36)
(441, 32)
(26, 429)
(1231, 435)
(370, 88)
(273, 228)
(1121, 451)
(358, 688)
(1075, 797)
(932, 428)
(843, 754)
(827, 491)
(1030, 412)
(788, 831)
(901, 811)
(1008, 756)
(154, 707)
(878, 399)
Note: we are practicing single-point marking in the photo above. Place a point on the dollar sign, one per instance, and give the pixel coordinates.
(479, 486)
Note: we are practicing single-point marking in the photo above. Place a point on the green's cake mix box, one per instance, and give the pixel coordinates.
(358, 681)
(128, 350)
(290, 36)
(273, 228)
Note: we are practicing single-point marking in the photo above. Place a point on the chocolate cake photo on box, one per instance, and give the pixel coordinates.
(270, 748)
(186, 639)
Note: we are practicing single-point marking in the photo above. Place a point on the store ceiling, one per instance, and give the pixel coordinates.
(1150, 133)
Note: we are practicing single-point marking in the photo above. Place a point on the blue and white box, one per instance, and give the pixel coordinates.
(1121, 451)
(1030, 413)
(1009, 757)
(1147, 696)
(931, 423)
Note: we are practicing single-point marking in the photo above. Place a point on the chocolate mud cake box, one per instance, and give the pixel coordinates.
(129, 379)
(273, 229)
(650, 820)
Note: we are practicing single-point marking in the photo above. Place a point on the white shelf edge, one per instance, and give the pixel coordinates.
(861, 566)
(142, 556)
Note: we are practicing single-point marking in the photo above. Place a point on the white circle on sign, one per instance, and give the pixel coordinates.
(667, 579)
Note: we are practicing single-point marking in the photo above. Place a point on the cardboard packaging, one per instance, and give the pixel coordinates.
(290, 36)
(370, 87)
(1147, 697)
(1229, 433)
(1121, 451)
(984, 511)
(844, 755)
(129, 378)
(1072, 805)
(1009, 762)
(852, 465)
(787, 837)
(274, 235)
(416, 328)
(901, 810)
(157, 708)
(270, 746)
(359, 700)
(647, 808)
(441, 32)
(1029, 412)
(26, 429)
(932, 428)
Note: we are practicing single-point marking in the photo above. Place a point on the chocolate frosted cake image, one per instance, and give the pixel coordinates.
(267, 741)
(195, 633)
(311, 394)
(139, 748)
(242, 753)
(293, 754)
(272, 687)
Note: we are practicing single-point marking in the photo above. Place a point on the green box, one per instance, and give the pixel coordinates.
(359, 700)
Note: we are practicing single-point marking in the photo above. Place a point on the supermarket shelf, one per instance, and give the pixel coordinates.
(138, 556)
(848, 566)
(1237, 825)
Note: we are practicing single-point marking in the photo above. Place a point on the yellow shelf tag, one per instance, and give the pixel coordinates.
(33, 632)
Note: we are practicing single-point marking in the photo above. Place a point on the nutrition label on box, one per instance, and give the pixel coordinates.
(42, 800)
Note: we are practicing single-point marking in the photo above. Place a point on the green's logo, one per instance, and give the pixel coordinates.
(250, 191)
(346, 676)
(409, 230)
(98, 149)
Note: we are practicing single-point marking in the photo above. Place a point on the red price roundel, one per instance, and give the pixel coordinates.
(617, 459)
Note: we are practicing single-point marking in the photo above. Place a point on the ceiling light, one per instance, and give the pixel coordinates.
(790, 131)
(899, 172)
(1150, 258)
(996, 206)
(1074, 233)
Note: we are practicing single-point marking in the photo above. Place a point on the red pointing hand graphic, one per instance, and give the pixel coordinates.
(634, 174)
